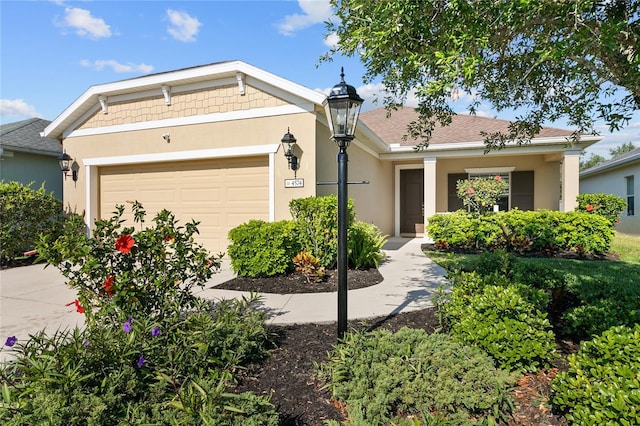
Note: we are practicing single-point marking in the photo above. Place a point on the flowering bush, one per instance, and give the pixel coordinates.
(151, 351)
(480, 194)
(607, 205)
(120, 272)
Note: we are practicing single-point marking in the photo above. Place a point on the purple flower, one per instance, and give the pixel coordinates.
(85, 343)
(11, 340)
(127, 325)
(141, 361)
(155, 332)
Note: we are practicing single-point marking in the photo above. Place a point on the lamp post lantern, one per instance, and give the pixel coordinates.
(342, 108)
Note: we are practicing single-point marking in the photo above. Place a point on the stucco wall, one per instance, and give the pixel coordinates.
(26, 167)
(374, 201)
(613, 182)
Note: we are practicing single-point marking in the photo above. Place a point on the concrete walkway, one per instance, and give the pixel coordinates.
(33, 298)
(410, 278)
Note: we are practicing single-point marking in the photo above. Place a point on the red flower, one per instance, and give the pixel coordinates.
(470, 191)
(124, 243)
(108, 285)
(589, 208)
(79, 307)
(499, 178)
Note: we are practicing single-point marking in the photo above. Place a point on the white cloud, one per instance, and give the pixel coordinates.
(17, 108)
(116, 66)
(85, 24)
(331, 40)
(183, 26)
(314, 12)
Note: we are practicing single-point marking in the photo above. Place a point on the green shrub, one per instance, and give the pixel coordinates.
(505, 320)
(171, 370)
(602, 385)
(317, 226)
(515, 230)
(608, 205)
(384, 376)
(263, 249)
(151, 351)
(365, 245)
(119, 272)
(25, 213)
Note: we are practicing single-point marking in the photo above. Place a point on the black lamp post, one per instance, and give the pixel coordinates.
(342, 107)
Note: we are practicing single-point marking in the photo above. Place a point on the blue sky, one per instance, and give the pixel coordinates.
(53, 51)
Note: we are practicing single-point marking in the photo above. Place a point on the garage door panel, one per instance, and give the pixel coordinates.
(220, 194)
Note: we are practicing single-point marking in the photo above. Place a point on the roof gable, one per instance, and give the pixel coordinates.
(25, 136)
(232, 71)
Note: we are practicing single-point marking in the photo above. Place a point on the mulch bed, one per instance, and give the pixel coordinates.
(287, 376)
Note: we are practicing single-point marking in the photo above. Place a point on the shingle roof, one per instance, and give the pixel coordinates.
(620, 160)
(463, 128)
(25, 136)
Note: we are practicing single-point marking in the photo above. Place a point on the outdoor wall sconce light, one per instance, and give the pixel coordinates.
(342, 108)
(65, 161)
(288, 141)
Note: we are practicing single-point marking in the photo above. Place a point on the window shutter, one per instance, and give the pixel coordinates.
(454, 203)
(522, 190)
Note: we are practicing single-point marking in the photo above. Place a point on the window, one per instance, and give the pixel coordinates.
(503, 201)
(630, 195)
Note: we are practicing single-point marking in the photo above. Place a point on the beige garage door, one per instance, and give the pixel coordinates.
(220, 194)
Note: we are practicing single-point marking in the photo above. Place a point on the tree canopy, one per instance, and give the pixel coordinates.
(571, 59)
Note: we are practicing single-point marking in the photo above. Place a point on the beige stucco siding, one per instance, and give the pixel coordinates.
(374, 201)
(183, 104)
(546, 176)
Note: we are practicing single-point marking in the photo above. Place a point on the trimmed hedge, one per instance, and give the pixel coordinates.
(263, 249)
(541, 231)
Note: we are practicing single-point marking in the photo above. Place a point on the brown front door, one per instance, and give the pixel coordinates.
(412, 201)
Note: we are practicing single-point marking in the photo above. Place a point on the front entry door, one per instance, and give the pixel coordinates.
(412, 201)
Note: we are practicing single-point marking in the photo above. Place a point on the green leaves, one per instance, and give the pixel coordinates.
(545, 59)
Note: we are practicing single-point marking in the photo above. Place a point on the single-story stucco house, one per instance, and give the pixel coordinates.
(204, 142)
(27, 157)
(619, 176)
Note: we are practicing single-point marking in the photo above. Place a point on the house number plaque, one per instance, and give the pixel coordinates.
(294, 183)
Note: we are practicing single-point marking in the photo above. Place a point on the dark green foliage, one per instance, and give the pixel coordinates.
(263, 249)
(506, 320)
(541, 231)
(96, 377)
(317, 226)
(365, 245)
(25, 213)
(608, 205)
(602, 385)
(384, 376)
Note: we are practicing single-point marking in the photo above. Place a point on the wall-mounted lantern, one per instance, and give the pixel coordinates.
(288, 142)
(65, 161)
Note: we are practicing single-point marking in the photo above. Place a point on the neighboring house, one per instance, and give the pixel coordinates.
(204, 142)
(619, 176)
(27, 157)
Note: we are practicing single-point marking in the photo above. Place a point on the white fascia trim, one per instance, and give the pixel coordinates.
(485, 170)
(372, 136)
(611, 164)
(196, 119)
(244, 151)
(556, 140)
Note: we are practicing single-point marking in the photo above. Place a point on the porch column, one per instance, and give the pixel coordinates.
(429, 193)
(570, 180)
